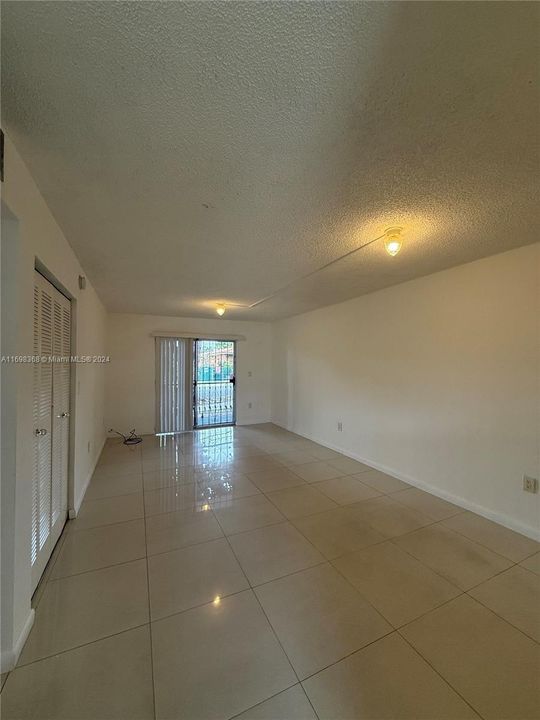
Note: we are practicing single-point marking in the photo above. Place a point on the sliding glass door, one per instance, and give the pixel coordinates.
(214, 383)
(195, 384)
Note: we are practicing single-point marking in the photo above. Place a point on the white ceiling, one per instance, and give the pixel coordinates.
(194, 152)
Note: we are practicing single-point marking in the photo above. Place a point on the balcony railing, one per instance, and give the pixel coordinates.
(214, 403)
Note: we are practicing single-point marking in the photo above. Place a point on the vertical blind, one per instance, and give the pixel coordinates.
(172, 382)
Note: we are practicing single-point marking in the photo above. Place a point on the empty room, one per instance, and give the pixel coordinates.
(270, 360)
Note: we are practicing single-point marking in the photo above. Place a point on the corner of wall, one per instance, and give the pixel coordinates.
(9, 658)
(73, 512)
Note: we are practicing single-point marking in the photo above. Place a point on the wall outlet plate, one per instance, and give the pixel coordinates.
(530, 484)
(340, 427)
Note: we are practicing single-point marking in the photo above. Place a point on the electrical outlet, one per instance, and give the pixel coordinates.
(249, 406)
(340, 427)
(89, 446)
(530, 484)
(249, 373)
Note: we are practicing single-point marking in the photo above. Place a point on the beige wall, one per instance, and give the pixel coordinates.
(39, 239)
(436, 381)
(131, 372)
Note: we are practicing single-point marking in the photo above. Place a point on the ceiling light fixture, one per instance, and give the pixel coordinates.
(220, 309)
(392, 240)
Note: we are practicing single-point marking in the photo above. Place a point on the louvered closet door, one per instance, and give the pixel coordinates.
(60, 408)
(52, 333)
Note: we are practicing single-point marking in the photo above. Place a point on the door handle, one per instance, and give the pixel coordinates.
(41, 431)
(63, 415)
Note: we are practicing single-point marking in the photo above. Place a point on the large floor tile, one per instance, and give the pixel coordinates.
(428, 504)
(490, 663)
(271, 552)
(257, 462)
(82, 608)
(290, 458)
(389, 517)
(172, 499)
(113, 486)
(170, 531)
(218, 456)
(501, 540)
(244, 450)
(400, 587)
(385, 681)
(515, 596)
(319, 618)
(532, 563)
(166, 457)
(336, 532)
(299, 501)
(348, 466)
(218, 491)
(120, 453)
(100, 547)
(102, 473)
(346, 490)
(182, 579)
(216, 661)
(291, 704)
(247, 514)
(320, 452)
(110, 679)
(382, 482)
(275, 479)
(462, 562)
(108, 511)
(156, 479)
(317, 471)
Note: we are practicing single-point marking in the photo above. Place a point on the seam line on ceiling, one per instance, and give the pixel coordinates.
(308, 275)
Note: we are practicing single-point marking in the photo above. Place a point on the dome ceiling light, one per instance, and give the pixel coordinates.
(392, 240)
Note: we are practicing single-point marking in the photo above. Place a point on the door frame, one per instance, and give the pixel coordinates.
(234, 384)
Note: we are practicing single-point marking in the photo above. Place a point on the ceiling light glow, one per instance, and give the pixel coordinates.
(393, 241)
(220, 309)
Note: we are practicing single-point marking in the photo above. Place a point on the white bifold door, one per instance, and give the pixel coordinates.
(51, 407)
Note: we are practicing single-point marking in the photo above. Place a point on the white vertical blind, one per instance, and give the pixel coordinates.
(172, 380)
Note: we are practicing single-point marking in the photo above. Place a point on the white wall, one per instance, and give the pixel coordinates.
(436, 380)
(39, 239)
(131, 371)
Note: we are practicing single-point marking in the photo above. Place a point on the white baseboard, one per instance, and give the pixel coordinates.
(253, 421)
(500, 518)
(74, 511)
(9, 658)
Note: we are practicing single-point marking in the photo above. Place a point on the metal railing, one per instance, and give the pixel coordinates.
(214, 403)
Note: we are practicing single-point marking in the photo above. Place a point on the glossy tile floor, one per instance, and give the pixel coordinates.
(250, 573)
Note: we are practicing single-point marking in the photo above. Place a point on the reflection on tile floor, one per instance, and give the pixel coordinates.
(251, 573)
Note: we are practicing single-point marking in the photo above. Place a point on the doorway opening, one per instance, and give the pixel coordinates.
(214, 383)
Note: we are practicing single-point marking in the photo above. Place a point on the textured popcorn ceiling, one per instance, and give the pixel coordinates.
(202, 151)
